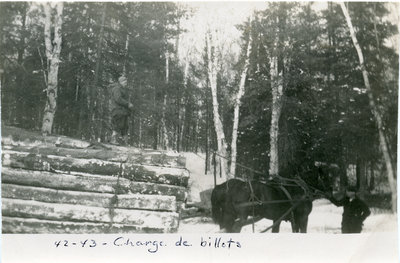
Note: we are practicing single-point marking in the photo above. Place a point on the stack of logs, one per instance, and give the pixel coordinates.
(58, 184)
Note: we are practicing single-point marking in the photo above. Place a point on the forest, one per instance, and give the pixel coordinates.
(289, 85)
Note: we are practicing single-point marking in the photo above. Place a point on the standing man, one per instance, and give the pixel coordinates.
(355, 211)
(120, 110)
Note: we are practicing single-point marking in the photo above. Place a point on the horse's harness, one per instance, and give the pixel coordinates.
(297, 182)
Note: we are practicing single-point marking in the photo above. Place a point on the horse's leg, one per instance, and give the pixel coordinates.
(303, 224)
(304, 217)
(295, 225)
(237, 227)
(275, 228)
(301, 216)
(230, 227)
(229, 222)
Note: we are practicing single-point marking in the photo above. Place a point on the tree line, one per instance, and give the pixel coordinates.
(295, 94)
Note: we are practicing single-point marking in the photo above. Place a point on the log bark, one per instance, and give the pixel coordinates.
(15, 225)
(17, 136)
(123, 201)
(144, 173)
(88, 183)
(153, 158)
(378, 118)
(80, 213)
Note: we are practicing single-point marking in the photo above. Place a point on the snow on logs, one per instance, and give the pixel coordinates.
(62, 185)
(34, 226)
(128, 201)
(88, 183)
(79, 213)
(136, 172)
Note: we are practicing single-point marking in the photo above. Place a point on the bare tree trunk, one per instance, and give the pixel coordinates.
(20, 76)
(378, 118)
(53, 50)
(182, 111)
(212, 75)
(197, 126)
(276, 112)
(371, 185)
(156, 123)
(140, 133)
(129, 73)
(376, 33)
(95, 107)
(239, 96)
(277, 94)
(384, 74)
(207, 139)
(361, 183)
(343, 173)
(164, 137)
(138, 113)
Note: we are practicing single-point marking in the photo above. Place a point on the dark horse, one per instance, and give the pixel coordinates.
(278, 199)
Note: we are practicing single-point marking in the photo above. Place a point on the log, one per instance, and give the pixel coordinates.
(127, 201)
(80, 213)
(15, 225)
(17, 136)
(88, 183)
(20, 138)
(143, 173)
(155, 158)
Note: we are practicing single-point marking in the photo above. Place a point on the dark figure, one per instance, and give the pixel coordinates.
(235, 200)
(354, 213)
(120, 110)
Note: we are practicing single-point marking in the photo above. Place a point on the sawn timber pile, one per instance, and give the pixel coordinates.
(56, 184)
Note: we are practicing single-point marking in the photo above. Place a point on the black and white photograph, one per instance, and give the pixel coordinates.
(264, 119)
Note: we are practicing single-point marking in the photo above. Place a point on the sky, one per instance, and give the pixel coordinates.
(221, 16)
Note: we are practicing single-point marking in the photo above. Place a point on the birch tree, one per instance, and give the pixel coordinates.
(95, 94)
(378, 118)
(212, 71)
(276, 74)
(53, 50)
(238, 98)
(164, 131)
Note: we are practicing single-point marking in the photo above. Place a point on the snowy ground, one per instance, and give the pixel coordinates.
(324, 218)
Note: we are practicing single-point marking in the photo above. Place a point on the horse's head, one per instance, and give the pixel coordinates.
(326, 176)
(320, 177)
